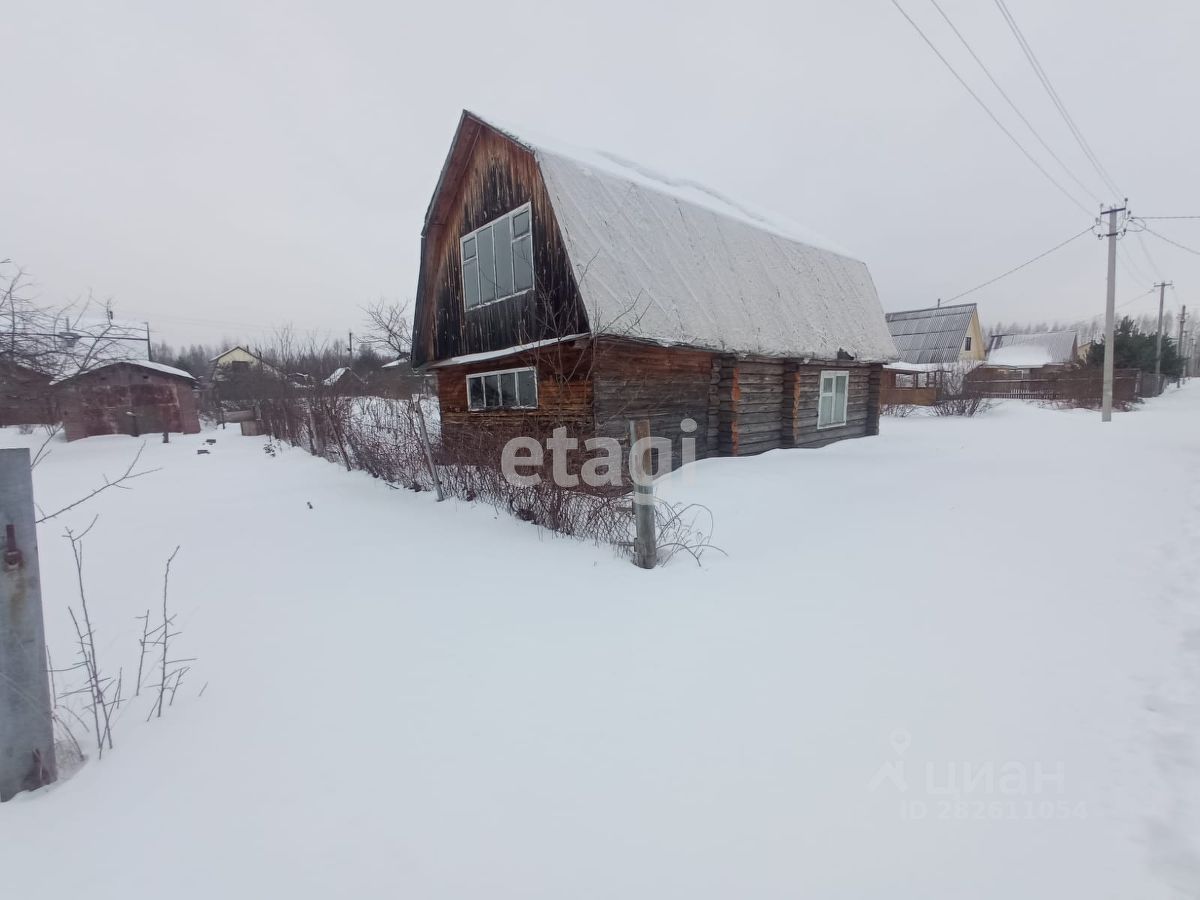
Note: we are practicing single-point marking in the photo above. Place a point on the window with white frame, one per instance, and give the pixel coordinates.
(831, 405)
(497, 259)
(507, 389)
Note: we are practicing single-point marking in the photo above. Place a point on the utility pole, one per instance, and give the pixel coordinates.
(1110, 311)
(350, 348)
(1162, 290)
(1179, 343)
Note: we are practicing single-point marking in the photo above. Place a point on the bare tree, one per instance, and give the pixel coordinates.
(389, 327)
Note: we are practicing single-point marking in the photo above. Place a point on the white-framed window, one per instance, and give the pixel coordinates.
(831, 404)
(504, 389)
(497, 258)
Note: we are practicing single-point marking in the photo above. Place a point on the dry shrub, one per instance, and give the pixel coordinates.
(957, 395)
(382, 437)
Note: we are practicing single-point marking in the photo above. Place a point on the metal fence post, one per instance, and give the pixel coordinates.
(26, 727)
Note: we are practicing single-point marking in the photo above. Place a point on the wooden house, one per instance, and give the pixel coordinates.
(930, 341)
(1033, 353)
(240, 361)
(132, 397)
(568, 287)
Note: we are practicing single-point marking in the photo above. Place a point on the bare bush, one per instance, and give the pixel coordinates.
(897, 410)
(103, 692)
(383, 438)
(957, 396)
(683, 528)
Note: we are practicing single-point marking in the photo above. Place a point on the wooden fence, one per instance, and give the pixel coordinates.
(1068, 385)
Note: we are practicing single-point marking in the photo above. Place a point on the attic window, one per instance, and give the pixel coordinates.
(497, 259)
(967, 344)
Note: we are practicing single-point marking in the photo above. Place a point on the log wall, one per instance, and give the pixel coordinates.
(564, 393)
(862, 404)
(750, 405)
(664, 385)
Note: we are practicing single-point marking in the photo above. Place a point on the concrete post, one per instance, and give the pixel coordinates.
(26, 728)
(645, 545)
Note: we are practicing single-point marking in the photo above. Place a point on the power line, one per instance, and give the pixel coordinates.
(986, 109)
(1163, 237)
(1153, 218)
(1146, 253)
(1021, 266)
(1012, 105)
(1055, 98)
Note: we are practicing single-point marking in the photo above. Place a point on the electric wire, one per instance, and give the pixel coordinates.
(1027, 50)
(988, 110)
(1011, 103)
(1163, 237)
(1021, 266)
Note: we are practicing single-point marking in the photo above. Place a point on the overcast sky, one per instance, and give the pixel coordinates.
(219, 168)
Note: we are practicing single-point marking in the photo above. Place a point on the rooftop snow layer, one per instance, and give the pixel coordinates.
(1031, 350)
(668, 260)
(139, 363)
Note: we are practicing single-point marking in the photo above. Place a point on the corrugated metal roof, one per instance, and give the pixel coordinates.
(1060, 346)
(663, 259)
(933, 335)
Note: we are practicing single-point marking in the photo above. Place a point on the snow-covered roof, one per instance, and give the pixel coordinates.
(1026, 351)
(963, 364)
(138, 363)
(335, 375)
(396, 363)
(932, 335)
(668, 260)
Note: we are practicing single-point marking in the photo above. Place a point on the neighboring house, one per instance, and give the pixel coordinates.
(127, 397)
(25, 395)
(41, 347)
(930, 341)
(343, 380)
(566, 287)
(940, 334)
(399, 379)
(1031, 352)
(239, 361)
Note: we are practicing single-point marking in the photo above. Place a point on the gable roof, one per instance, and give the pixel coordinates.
(932, 335)
(667, 260)
(1042, 348)
(136, 363)
(224, 353)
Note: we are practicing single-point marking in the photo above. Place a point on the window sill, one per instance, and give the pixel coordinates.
(471, 309)
(829, 425)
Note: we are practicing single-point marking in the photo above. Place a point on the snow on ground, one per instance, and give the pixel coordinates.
(958, 660)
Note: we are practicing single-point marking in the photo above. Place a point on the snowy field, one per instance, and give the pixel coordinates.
(958, 660)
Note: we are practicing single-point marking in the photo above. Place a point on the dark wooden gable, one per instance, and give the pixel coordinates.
(486, 175)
